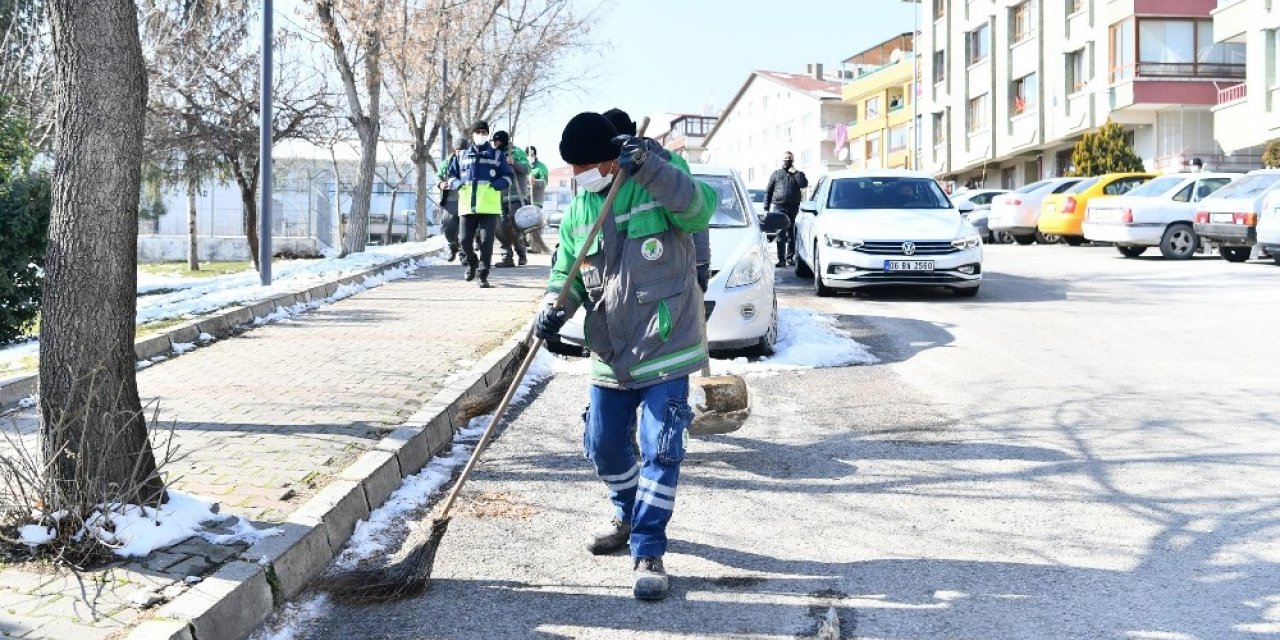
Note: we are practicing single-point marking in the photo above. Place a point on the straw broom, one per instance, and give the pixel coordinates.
(411, 575)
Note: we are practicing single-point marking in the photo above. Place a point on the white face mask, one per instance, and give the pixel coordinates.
(594, 181)
(479, 139)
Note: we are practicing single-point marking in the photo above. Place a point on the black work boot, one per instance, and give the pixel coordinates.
(453, 252)
(523, 261)
(505, 264)
(484, 278)
(471, 272)
(610, 538)
(651, 579)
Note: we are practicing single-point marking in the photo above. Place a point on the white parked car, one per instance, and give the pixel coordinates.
(1269, 227)
(980, 218)
(1017, 212)
(741, 306)
(1229, 217)
(886, 227)
(1160, 213)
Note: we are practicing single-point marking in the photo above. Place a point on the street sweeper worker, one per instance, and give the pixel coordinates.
(480, 177)
(644, 326)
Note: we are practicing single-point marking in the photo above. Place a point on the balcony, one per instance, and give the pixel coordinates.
(1191, 70)
(1234, 93)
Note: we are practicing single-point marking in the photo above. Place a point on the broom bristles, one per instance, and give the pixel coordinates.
(404, 579)
(488, 400)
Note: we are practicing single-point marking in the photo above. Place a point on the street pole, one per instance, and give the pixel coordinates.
(264, 149)
(915, 91)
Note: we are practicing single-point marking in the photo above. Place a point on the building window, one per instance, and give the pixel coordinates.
(979, 44)
(751, 141)
(1025, 94)
(1075, 6)
(1077, 70)
(939, 128)
(939, 66)
(976, 116)
(939, 9)
(898, 138)
(764, 103)
(873, 146)
(806, 157)
(751, 174)
(1020, 21)
(873, 108)
(786, 132)
(1172, 48)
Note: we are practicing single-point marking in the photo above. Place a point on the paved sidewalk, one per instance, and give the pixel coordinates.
(266, 419)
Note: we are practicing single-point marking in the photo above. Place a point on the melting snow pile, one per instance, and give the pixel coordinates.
(372, 536)
(806, 340)
(135, 531)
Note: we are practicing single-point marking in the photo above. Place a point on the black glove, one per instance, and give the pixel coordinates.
(500, 183)
(636, 151)
(704, 276)
(549, 322)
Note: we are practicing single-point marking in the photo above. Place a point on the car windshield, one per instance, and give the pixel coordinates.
(1248, 186)
(1156, 187)
(1028, 188)
(757, 195)
(887, 193)
(1081, 186)
(730, 211)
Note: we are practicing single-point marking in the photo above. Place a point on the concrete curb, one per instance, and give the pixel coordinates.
(237, 599)
(222, 324)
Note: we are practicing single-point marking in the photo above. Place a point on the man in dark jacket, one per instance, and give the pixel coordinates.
(508, 234)
(449, 199)
(784, 193)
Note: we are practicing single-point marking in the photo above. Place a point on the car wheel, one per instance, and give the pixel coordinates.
(1130, 251)
(1235, 254)
(819, 289)
(802, 269)
(1179, 242)
(966, 293)
(1024, 240)
(1276, 258)
(769, 341)
(1074, 241)
(1002, 237)
(1048, 238)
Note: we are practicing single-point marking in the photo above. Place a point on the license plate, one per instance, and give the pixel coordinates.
(908, 265)
(1222, 218)
(1105, 216)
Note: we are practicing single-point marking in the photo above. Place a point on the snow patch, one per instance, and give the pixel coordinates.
(183, 347)
(293, 618)
(34, 535)
(205, 338)
(241, 531)
(27, 402)
(143, 364)
(806, 340)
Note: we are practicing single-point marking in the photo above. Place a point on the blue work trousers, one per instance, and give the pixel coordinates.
(643, 491)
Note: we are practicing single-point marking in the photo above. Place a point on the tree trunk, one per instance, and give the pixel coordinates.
(249, 201)
(420, 200)
(193, 242)
(358, 224)
(95, 435)
(391, 214)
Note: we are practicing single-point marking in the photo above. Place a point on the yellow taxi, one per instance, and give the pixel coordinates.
(1062, 214)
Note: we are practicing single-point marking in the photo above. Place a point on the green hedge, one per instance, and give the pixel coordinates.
(24, 226)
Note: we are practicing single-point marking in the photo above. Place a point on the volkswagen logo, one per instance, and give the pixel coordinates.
(908, 248)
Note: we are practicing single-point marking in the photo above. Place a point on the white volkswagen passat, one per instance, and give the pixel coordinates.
(741, 306)
(869, 228)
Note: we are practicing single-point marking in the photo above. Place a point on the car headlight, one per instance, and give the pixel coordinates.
(838, 243)
(967, 242)
(749, 270)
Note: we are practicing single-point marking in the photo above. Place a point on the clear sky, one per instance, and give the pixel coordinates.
(678, 55)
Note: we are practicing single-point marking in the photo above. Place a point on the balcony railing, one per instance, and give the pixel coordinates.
(1234, 93)
(1190, 70)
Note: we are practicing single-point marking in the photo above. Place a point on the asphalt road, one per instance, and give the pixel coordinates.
(1089, 449)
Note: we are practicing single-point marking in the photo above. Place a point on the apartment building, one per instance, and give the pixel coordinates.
(686, 136)
(1247, 115)
(881, 94)
(1011, 85)
(775, 112)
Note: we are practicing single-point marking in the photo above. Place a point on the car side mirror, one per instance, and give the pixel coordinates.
(809, 206)
(966, 208)
(774, 221)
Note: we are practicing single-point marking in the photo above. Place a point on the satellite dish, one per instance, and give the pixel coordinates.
(896, 56)
(843, 154)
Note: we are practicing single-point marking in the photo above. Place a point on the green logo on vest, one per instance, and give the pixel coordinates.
(651, 249)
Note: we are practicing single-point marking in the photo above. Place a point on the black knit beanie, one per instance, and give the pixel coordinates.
(480, 125)
(621, 121)
(588, 139)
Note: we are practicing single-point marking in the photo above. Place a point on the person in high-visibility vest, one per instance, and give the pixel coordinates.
(480, 176)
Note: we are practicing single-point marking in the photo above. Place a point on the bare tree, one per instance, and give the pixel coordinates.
(429, 35)
(88, 308)
(208, 103)
(26, 67)
(354, 32)
(394, 175)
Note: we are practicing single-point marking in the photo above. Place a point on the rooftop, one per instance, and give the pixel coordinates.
(804, 83)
